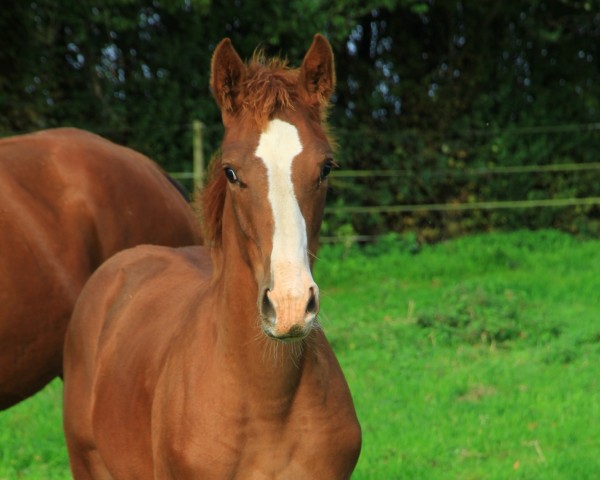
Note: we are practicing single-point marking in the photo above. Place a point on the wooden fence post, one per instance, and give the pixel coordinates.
(198, 167)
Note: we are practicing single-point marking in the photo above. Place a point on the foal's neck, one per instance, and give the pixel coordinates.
(270, 366)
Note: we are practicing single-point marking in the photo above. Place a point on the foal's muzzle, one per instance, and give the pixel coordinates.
(289, 316)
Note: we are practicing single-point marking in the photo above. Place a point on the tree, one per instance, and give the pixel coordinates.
(430, 87)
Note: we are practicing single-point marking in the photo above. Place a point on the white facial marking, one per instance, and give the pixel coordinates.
(279, 144)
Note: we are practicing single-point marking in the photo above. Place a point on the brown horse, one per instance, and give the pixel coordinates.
(209, 362)
(69, 200)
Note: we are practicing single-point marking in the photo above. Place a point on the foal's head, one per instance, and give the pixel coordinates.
(271, 177)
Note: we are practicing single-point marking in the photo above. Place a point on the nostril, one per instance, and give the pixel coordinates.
(312, 307)
(268, 310)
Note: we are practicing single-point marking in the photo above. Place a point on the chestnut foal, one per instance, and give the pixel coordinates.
(208, 362)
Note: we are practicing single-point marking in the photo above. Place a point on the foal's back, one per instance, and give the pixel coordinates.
(139, 303)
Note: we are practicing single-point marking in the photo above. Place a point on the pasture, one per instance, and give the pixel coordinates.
(477, 358)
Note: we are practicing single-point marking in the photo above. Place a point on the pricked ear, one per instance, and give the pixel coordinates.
(226, 75)
(317, 74)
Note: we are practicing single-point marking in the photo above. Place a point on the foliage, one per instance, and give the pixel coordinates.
(458, 86)
(433, 88)
(474, 358)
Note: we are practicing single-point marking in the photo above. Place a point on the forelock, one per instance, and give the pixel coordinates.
(270, 87)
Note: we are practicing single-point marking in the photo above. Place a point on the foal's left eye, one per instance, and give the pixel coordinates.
(326, 170)
(231, 175)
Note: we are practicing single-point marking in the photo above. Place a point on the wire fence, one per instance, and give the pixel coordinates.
(343, 178)
(194, 176)
(446, 207)
(507, 170)
(451, 206)
(469, 204)
(488, 205)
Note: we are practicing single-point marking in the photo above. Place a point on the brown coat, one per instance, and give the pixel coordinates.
(69, 200)
(209, 362)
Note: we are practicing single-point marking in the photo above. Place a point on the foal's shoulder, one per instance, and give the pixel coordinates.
(149, 276)
(153, 260)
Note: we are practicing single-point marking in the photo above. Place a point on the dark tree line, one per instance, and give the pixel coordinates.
(433, 88)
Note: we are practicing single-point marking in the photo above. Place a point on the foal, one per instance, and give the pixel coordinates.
(208, 362)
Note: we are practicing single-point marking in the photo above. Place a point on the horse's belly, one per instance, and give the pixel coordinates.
(36, 298)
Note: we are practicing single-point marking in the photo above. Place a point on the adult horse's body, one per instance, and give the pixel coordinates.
(68, 201)
(208, 362)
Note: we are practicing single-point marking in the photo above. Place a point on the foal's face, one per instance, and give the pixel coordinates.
(277, 173)
(277, 185)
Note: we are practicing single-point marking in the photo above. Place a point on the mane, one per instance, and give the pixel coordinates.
(211, 201)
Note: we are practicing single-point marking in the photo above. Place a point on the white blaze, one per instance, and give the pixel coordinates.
(278, 145)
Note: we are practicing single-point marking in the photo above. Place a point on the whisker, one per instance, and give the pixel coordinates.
(313, 255)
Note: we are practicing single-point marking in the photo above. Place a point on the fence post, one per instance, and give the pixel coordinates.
(198, 166)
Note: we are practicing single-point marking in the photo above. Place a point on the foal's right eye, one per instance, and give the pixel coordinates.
(230, 174)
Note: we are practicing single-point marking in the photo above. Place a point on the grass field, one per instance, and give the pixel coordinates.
(473, 359)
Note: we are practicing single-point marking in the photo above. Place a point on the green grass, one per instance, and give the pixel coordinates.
(473, 359)
(32, 445)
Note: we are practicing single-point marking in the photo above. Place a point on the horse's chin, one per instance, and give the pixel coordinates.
(295, 335)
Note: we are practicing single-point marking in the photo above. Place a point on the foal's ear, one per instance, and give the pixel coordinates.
(317, 74)
(226, 75)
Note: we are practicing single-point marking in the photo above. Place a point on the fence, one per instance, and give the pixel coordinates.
(520, 169)
(197, 174)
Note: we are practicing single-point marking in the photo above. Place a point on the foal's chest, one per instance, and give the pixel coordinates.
(234, 437)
